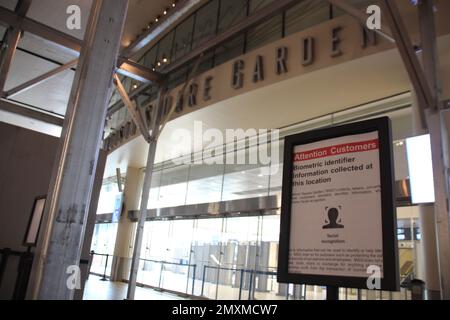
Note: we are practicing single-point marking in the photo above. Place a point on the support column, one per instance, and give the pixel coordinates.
(142, 218)
(439, 142)
(125, 232)
(73, 176)
(86, 258)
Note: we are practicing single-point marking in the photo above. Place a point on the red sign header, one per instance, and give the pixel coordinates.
(337, 150)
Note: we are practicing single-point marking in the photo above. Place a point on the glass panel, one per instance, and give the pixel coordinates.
(207, 63)
(256, 5)
(154, 250)
(355, 3)
(150, 57)
(205, 184)
(177, 77)
(172, 191)
(229, 50)
(306, 14)
(183, 38)
(107, 199)
(154, 191)
(243, 181)
(176, 273)
(165, 50)
(239, 253)
(205, 23)
(276, 170)
(231, 12)
(103, 244)
(266, 285)
(265, 33)
(206, 255)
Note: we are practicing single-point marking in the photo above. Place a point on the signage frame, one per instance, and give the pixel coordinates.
(391, 272)
(34, 223)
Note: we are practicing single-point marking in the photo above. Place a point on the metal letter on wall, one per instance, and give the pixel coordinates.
(308, 51)
(207, 88)
(336, 42)
(258, 74)
(281, 60)
(193, 90)
(238, 76)
(369, 37)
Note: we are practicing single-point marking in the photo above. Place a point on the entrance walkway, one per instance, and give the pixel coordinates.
(106, 290)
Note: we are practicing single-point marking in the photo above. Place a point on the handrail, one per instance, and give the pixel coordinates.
(163, 264)
(169, 263)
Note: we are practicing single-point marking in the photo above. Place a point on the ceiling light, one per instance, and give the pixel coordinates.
(159, 64)
(173, 5)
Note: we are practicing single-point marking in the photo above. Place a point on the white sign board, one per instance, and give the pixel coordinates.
(336, 224)
(338, 220)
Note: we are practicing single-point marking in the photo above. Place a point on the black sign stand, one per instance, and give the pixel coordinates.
(391, 278)
(332, 293)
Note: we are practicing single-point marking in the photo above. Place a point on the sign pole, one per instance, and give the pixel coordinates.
(332, 293)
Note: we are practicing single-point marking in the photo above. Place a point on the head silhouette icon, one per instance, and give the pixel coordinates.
(333, 216)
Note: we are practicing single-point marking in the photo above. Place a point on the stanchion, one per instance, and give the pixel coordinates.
(204, 278)
(106, 267)
(194, 267)
(161, 275)
(241, 283)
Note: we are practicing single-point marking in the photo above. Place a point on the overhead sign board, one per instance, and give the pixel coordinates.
(338, 223)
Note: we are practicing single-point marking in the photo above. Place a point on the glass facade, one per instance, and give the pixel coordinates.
(236, 257)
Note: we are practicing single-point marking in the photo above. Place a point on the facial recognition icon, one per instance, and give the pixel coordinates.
(334, 221)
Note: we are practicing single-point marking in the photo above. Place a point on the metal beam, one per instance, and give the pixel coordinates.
(408, 54)
(71, 185)
(183, 8)
(12, 39)
(136, 71)
(135, 262)
(10, 18)
(260, 16)
(36, 81)
(132, 95)
(361, 16)
(132, 109)
(12, 107)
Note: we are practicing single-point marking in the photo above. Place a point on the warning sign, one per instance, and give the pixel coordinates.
(334, 213)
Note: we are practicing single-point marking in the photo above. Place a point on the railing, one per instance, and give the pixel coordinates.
(247, 282)
(162, 269)
(188, 266)
(23, 271)
(93, 254)
(253, 273)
